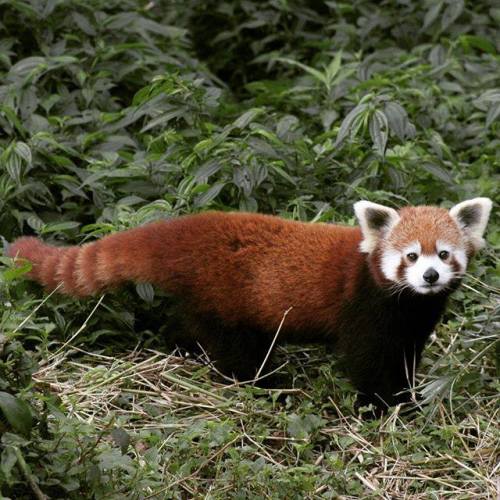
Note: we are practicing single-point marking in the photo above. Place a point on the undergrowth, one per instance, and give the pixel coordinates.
(113, 114)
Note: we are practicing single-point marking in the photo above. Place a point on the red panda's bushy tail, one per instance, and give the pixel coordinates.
(93, 267)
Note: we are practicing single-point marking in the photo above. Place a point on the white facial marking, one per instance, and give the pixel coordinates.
(391, 259)
(415, 247)
(455, 253)
(415, 274)
(415, 270)
(442, 245)
(461, 258)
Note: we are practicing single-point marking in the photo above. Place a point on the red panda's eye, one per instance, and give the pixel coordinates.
(412, 256)
(443, 254)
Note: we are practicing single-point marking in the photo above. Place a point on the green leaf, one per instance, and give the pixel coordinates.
(206, 170)
(247, 117)
(439, 172)
(308, 69)
(16, 412)
(332, 69)
(109, 460)
(243, 179)
(301, 426)
(17, 271)
(83, 23)
(205, 198)
(35, 222)
(451, 13)
(23, 150)
(379, 129)
(345, 127)
(25, 66)
(145, 291)
(59, 227)
(283, 174)
(121, 439)
(13, 119)
(14, 168)
(8, 460)
(397, 118)
(163, 119)
(432, 14)
(493, 113)
(478, 42)
(287, 123)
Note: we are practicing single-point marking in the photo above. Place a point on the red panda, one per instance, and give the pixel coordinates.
(373, 292)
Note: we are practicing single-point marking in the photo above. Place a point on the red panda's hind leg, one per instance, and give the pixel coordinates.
(235, 352)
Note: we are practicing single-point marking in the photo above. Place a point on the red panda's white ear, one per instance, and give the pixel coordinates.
(472, 217)
(375, 220)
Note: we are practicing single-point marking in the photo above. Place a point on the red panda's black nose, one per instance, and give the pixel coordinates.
(431, 275)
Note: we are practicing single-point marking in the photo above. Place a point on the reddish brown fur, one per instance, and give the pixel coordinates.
(425, 225)
(243, 267)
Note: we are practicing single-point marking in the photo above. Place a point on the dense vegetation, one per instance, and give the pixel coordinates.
(114, 113)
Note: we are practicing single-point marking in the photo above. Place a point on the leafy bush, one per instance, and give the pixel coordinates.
(116, 113)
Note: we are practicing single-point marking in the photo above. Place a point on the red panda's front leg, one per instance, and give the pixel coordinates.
(383, 369)
(381, 346)
(385, 376)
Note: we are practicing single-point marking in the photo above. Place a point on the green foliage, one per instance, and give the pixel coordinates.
(113, 114)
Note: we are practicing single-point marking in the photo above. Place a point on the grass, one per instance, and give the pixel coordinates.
(113, 114)
(149, 394)
(163, 426)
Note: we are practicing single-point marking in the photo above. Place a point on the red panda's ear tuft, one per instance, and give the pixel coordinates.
(375, 220)
(472, 217)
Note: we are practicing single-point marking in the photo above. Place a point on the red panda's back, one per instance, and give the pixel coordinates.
(252, 268)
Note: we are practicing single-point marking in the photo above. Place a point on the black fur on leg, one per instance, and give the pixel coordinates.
(237, 353)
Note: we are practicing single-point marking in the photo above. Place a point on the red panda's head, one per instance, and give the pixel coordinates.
(425, 249)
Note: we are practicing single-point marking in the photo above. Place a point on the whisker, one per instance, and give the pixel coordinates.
(398, 288)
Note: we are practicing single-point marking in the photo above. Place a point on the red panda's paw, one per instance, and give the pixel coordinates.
(371, 407)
